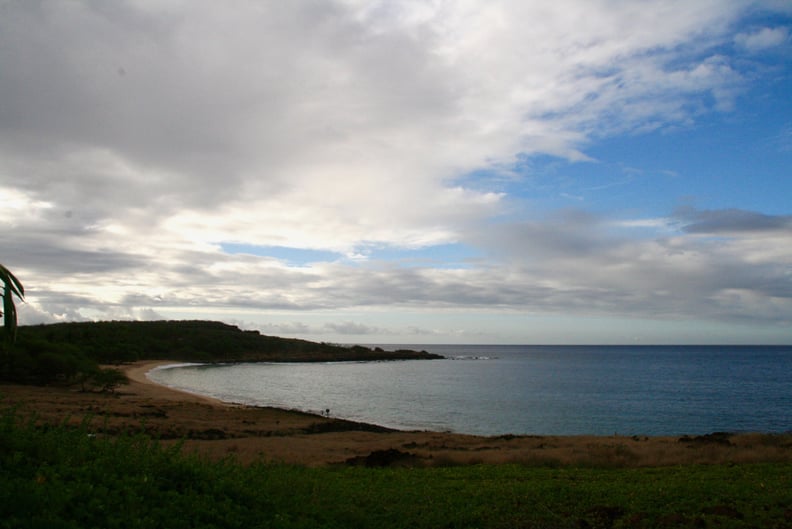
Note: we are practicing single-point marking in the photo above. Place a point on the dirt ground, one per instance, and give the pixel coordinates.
(251, 434)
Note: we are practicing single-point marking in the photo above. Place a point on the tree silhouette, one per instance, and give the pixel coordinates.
(11, 287)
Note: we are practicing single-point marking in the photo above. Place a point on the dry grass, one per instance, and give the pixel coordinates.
(616, 451)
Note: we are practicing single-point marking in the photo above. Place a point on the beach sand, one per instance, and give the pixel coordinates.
(252, 434)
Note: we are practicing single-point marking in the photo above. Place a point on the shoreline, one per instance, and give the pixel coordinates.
(219, 429)
(137, 373)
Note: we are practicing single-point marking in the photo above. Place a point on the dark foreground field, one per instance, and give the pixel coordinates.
(66, 477)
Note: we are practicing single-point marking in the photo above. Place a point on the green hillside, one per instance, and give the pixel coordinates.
(65, 352)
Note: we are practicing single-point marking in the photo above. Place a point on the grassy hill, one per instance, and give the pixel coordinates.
(199, 341)
(64, 351)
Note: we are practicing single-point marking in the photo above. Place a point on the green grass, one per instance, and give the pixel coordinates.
(57, 477)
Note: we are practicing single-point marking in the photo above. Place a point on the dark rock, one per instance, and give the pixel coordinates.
(383, 458)
(210, 434)
(721, 438)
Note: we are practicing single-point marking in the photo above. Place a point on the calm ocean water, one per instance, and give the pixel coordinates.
(552, 390)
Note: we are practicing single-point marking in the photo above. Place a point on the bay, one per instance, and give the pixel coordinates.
(542, 390)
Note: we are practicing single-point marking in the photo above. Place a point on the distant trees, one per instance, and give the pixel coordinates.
(11, 287)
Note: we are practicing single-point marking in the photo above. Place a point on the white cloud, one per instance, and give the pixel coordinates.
(762, 39)
(18, 207)
(364, 107)
(136, 137)
(352, 328)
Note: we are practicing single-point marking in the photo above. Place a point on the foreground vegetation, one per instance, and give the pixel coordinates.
(59, 477)
(71, 353)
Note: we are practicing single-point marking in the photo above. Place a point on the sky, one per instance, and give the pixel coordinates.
(409, 172)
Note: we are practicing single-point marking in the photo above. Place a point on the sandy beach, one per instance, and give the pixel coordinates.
(217, 429)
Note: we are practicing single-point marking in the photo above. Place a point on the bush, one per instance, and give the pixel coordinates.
(106, 379)
(35, 361)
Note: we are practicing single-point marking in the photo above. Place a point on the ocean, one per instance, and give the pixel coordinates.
(526, 390)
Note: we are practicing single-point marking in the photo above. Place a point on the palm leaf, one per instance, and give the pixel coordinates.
(11, 282)
(12, 287)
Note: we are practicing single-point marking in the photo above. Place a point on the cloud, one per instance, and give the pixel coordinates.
(341, 111)
(586, 264)
(732, 220)
(137, 139)
(282, 329)
(574, 262)
(352, 328)
(762, 39)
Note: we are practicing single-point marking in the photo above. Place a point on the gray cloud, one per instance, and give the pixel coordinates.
(352, 328)
(135, 138)
(731, 220)
(47, 256)
(282, 329)
(573, 263)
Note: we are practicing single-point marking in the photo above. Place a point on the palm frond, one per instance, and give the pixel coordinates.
(12, 287)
